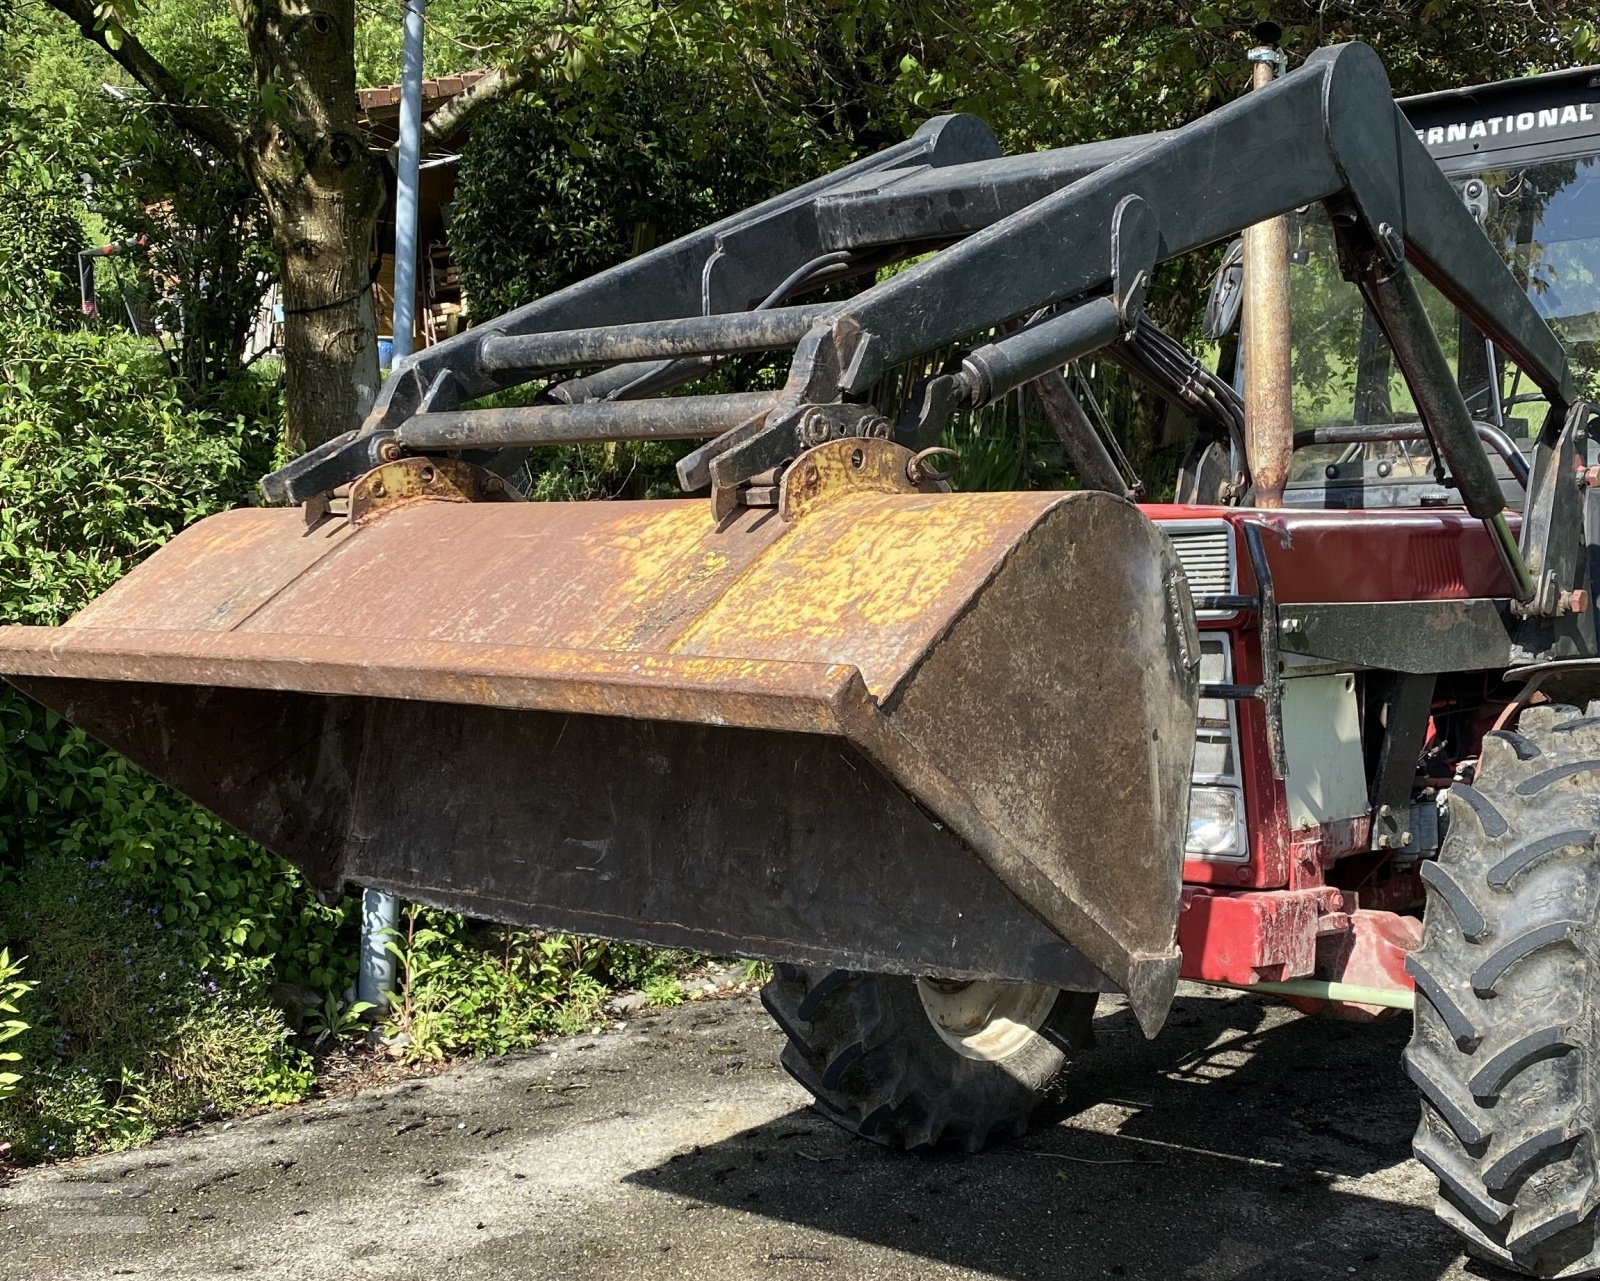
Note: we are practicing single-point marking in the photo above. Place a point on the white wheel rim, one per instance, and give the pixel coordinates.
(984, 1020)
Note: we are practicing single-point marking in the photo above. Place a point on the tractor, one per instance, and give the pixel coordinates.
(959, 763)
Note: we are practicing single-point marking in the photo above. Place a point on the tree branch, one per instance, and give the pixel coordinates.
(455, 113)
(209, 124)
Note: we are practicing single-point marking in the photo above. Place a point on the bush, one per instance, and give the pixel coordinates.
(130, 1033)
(40, 230)
(152, 929)
(558, 185)
(102, 460)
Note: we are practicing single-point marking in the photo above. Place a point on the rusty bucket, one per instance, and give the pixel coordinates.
(870, 727)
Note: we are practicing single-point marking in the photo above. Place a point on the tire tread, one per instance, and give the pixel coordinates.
(1506, 1043)
(862, 1047)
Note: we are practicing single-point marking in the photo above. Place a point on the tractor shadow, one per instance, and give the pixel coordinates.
(1245, 1143)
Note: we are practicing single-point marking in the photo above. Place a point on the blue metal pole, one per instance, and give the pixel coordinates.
(405, 205)
(380, 912)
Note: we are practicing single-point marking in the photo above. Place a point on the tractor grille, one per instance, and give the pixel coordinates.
(1206, 552)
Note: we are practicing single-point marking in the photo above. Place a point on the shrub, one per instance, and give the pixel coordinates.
(557, 185)
(40, 230)
(102, 460)
(129, 1034)
(152, 929)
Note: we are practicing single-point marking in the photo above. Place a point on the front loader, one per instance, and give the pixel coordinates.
(961, 762)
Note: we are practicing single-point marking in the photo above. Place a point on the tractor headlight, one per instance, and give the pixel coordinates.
(1216, 802)
(1214, 822)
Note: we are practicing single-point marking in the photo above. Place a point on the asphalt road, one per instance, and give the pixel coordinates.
(1245, 1143)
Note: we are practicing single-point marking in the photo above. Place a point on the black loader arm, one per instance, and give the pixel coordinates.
(1055, 249)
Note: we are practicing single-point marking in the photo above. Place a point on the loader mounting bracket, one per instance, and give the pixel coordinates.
(783, 438)
(408, 481)
(1553, 534)
(849, 466)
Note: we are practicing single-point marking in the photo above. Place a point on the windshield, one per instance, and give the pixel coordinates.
(1546, 220)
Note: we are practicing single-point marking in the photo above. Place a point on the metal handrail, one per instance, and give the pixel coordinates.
(1371, 433)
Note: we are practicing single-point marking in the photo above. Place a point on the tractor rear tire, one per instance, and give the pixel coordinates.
(919, 1064)
(1506, 1044)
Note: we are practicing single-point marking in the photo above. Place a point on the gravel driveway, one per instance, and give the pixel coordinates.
(1244, 1143)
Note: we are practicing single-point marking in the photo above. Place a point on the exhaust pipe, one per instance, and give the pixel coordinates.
(1265, 333)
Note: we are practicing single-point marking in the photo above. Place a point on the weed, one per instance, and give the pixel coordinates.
(751, 971)
(13, 987)
(336, 1021)
(663, 989)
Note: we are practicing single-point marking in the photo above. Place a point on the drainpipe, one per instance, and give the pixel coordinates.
(380, 912)
(1265, 335)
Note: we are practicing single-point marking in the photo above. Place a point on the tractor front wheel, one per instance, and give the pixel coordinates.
(1506, 1046)
(920, 1063)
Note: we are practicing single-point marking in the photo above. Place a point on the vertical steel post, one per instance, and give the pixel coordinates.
(380, 912)
(1265, 334)
(405, 203)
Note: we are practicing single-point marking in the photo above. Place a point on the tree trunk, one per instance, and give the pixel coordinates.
(324, 188)
(323, 221)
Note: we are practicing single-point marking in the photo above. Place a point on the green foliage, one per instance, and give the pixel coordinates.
(209, 258)
(470, 988)
(102, 459)
(13, 987)
(40, 227)
(129, 1032)
(152, 928)
(336, 1021)
(752, 971)
(627, 965)
(562, 183)
(663, 990)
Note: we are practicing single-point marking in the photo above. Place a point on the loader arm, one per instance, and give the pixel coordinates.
(1068, 238)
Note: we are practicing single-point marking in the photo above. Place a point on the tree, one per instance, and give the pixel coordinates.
(836, 77)
(295, 139)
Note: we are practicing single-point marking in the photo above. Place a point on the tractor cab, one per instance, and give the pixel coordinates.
(1524, 156)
